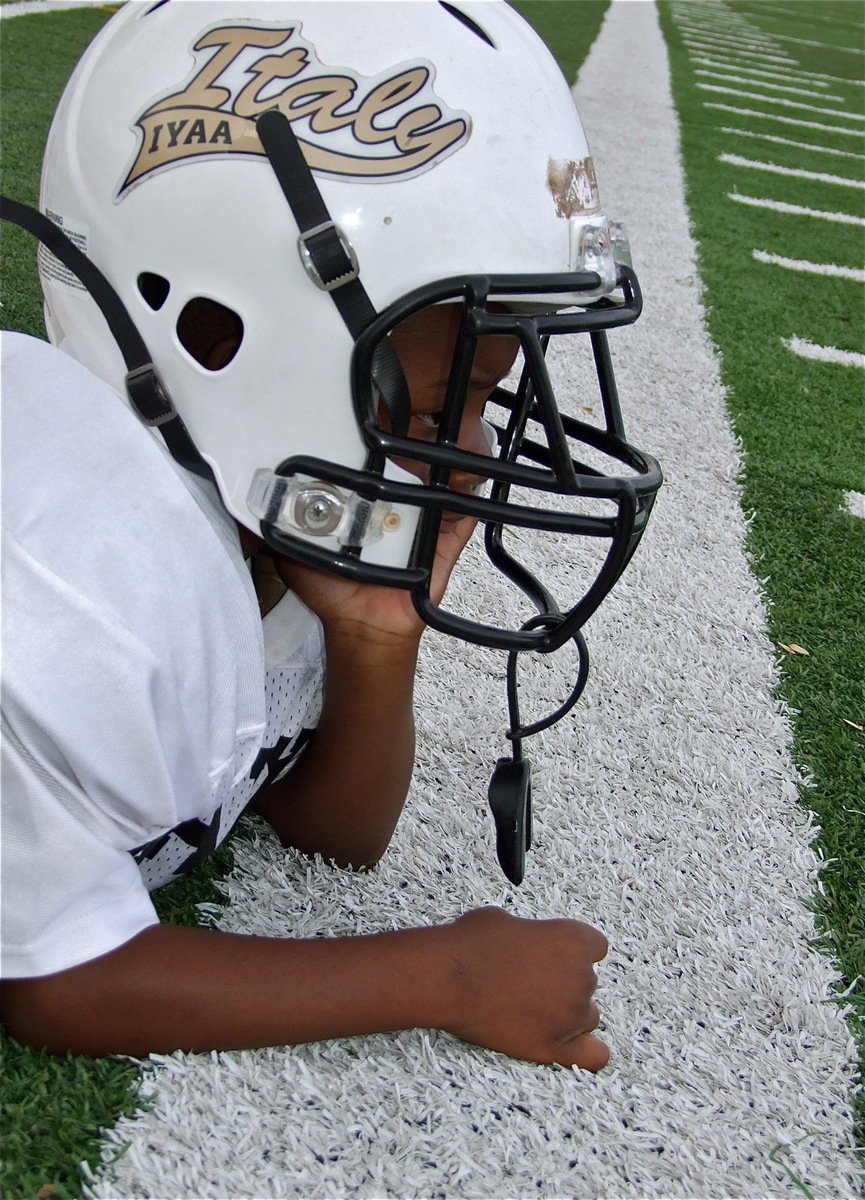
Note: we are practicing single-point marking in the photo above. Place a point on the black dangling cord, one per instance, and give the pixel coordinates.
(510, 790)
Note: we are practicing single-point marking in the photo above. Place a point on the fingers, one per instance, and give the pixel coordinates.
(547, 970)
(593, 1019)
(587, 1052)
(592, 941)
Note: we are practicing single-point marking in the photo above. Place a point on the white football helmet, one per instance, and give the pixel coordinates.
(271, 187)
(241, 205)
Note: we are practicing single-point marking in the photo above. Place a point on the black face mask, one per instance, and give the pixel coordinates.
(539, 474)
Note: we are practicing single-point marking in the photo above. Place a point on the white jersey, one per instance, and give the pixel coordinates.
(144, 700)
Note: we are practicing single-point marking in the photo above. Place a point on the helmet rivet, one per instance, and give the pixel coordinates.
(392, 522)
(317, 511)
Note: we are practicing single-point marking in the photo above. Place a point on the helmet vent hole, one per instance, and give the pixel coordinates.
(209, 332)
(468, 22)
(154, 289)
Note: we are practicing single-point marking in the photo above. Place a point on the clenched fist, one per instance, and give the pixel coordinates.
(525, 987)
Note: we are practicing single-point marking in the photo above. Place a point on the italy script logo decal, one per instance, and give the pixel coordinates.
(349, 127)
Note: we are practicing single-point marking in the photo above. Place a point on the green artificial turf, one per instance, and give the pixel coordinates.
(37, 53)
(800, 422)
(567, 26)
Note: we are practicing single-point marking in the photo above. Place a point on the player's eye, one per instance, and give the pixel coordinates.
(431, 420)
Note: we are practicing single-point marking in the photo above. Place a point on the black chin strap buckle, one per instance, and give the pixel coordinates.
(510, 797)
(328, 256)
(148, 395)
(510, 790)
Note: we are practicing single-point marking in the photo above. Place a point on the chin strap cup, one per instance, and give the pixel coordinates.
(510, 797)
(510, 790)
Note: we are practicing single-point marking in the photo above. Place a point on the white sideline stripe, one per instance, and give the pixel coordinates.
(736, 160)
(775, 87)
(802, 124)
(826, 354)
(814, 108)
(796, 210)
(780, 141)
(817, 78)
(810, 268)
(23, 7)
(854, 503)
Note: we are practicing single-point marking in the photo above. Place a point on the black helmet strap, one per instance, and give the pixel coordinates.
(145, 389)
(328, 256)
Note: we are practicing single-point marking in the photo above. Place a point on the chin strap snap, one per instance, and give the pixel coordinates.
(510, 790)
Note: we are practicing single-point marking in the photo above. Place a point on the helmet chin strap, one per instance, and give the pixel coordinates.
(328, 256)
(510, 790)
(333, 266)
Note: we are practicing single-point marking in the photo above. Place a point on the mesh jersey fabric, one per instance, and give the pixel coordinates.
(144, 700)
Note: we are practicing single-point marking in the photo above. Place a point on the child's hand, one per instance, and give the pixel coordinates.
(526, 988)
(369, 612)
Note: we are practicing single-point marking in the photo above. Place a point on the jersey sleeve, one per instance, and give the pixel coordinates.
(96, 752)
(133, 671)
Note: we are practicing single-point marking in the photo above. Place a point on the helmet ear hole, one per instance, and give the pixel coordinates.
(209, 332)
(154, 288)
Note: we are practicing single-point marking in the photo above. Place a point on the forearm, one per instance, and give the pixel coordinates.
(345, 795)
(192, 989)
(522, 987)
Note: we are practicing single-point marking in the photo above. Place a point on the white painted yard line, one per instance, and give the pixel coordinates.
(744, 37)
(797, 121)
(775, 87)
(737, 160)
(833, 270)
(818, 79)
(814, 108)
(720, 31)
(707, 60)
(780, 141)
(704, 44)
(854, 502)
(717, 43)
(834, 48)
(24, 7)
(812, 19)
(742, 34)
(698, 20)
(796, 210)
(824, 354)
(734, 42)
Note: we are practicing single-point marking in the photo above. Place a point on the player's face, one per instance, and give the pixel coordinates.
(425, 344)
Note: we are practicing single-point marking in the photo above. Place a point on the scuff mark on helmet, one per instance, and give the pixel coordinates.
(573, 186)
